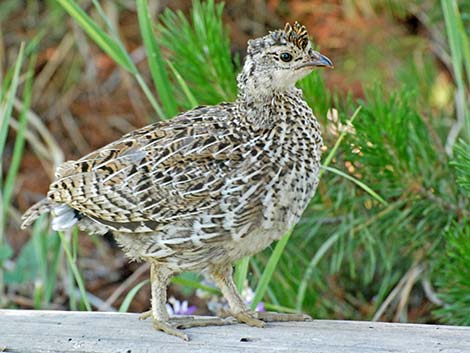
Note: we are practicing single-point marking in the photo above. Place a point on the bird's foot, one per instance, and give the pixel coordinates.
(145, 315)
(175, 323)
(259, 318)
(249, 317)
(269, 316)
(169, 328)
(188, 321)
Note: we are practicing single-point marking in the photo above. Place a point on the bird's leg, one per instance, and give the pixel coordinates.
(159, 279)
(238, 308)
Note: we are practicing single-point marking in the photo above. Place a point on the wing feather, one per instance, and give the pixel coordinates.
(158, 174)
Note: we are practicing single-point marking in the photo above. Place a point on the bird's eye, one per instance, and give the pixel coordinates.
(286, 57)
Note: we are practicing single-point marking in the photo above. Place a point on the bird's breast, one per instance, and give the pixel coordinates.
(297, 159)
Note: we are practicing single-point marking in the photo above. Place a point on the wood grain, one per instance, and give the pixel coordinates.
(24, 331)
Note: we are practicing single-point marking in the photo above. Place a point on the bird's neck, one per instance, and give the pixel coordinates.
(259, 102)
(264, 108)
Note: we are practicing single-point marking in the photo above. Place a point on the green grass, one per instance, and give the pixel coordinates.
(6, 105)
(452, 276)
(200, 50)
(71, 254)
(111, 45)
(155, 60)
(20, 138)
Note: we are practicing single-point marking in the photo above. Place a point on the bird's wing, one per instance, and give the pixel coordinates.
(155, 175)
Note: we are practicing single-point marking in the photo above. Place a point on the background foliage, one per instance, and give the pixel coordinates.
(385, 238)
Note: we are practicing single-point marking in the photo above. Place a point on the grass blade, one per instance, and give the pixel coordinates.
(358, 183)
(460, 53)
(155, 60)
(6, 106)
(184, 86)
(150, 96)
(333, 151)
(269, 270)
(20, 139)
(311, 266)
(137, 75)
(201, 48)
(194, 284)
(130, 296)
(101, 38)
(241, 272)
(280, 308)
(75, 271)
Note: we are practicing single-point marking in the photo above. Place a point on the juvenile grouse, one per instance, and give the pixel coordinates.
(208, 187)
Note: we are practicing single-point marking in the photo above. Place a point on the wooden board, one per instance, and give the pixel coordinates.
(25, 331)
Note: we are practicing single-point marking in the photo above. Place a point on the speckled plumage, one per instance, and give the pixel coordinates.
(213, 184)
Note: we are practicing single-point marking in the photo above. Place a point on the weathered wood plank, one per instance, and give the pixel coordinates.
(25, 331)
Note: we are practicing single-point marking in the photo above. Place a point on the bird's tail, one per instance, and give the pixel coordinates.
(33, 213)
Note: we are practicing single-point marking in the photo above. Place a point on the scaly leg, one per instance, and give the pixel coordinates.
(159, 279)
(238, 308)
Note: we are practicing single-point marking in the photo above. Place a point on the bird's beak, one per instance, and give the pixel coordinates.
(319, 60)
(324, 61)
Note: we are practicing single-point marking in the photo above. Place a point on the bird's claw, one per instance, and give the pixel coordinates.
(259, 318)
(269, 316)
(145, 315)
(249, 318)
(169, 328)
(175, 323)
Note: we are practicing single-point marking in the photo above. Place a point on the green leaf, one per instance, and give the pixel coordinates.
(201, 47)
(6, 106)
(100, 37)
(358, 183)
(26, 266)
(459, 44)
(130, 296)
(155, 60)
(20, 139)
(311, 266)
(5, 252)
(192, 101)
(452, 276)
(333, 151)
(461, 163)
(262, 286)
(75, 270)
(241, 272)
(194, 284)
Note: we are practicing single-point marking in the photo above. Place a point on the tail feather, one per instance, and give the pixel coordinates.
(33, 213)
(63, 217)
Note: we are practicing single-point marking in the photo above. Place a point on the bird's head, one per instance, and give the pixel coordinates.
(278, 60)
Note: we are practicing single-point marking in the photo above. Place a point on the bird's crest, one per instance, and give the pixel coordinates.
(297, 35)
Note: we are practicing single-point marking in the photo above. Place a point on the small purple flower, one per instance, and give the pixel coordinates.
(259, 307)
(248, 295)
(176, 307)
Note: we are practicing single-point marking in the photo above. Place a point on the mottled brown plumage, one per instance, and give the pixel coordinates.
(210, 186)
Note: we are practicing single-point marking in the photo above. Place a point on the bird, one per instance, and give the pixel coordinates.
(208, 187)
